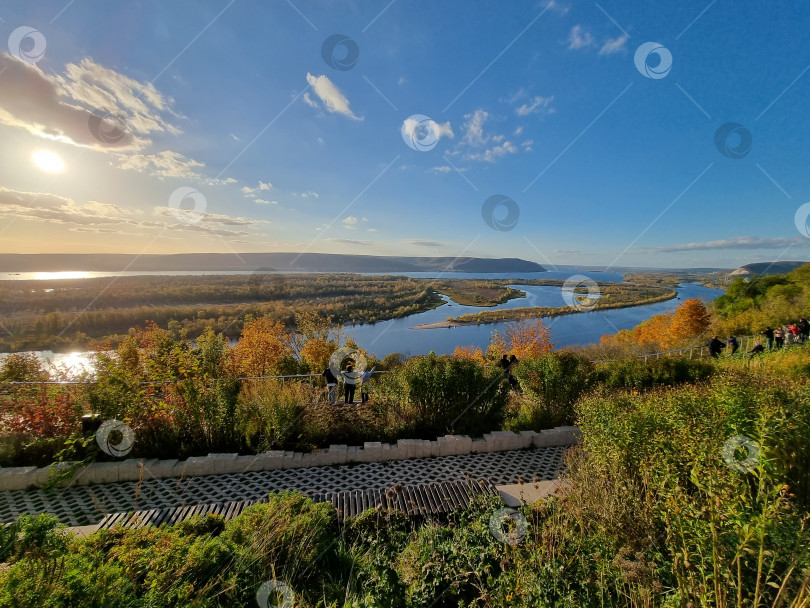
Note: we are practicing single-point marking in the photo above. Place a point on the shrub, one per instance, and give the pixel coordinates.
(448, 394)
(270, 412)
(640, 373)
(551, 383)
(721, 531)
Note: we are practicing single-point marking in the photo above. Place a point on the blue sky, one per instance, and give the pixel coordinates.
(541, 103)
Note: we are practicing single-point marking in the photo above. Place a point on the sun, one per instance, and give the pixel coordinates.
(48, 161)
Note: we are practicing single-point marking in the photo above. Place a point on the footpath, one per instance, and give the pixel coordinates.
(512, 471)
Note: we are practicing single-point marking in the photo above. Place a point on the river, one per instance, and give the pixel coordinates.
(397, 335)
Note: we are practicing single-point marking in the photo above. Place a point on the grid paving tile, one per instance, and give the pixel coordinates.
(85, 505)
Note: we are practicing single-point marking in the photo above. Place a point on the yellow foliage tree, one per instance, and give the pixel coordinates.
(261, 346)
(316, 353)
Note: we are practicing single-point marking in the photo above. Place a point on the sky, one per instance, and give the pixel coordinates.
(567, 132)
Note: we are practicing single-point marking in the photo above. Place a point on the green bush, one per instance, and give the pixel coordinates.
(452, 395)
(551, 384)
(641, 374)
(724, 530)
(269, 412)
(201, 562)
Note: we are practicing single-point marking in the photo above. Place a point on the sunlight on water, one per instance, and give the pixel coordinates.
(66, 274)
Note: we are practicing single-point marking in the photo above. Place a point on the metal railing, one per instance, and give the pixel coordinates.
(746, 343)
(174, 381)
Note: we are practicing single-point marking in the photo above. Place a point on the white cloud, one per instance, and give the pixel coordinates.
(518, 131)
(613, 45)
(556, 7)
(309, 194)
(738, 242)
(350, 241)
(234, 137)
(425, 243)
(474, 128)
(263, 186)
(527, 145)
(579, 38)
(351, 222)
(333, 99)
(94, 216)
(437, 130)
(169, 163)
(538, 104)
(371, 229)
(492, 154)
(442, 169)
(42, 105)
(261, 201)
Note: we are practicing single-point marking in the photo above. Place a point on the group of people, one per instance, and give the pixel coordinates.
(350, 380)
(794, 333)
(784, 335)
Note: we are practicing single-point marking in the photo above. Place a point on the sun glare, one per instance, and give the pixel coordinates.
(48, 161)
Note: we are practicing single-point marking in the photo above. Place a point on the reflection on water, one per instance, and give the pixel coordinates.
(53, 276)
(71, 364)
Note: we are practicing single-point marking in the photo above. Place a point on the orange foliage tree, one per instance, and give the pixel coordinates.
(654, 330)
(261, 346)
(471, 353)
(526, 339)
(691, 320)
(668, 330)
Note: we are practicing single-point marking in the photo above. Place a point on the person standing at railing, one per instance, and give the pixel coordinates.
(349, 378)
(779, 336)
(768, 333)
(331, 385)
(733, 345)
(804, 329)
(365, 378)
(790, 334)
(513, 383)
(715, 347)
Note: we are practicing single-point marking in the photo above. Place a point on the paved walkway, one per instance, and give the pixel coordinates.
(86, 505)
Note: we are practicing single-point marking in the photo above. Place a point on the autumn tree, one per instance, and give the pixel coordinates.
(691, 320)
(526, 339)
(316, 353)
(262, 345)
(470, 353)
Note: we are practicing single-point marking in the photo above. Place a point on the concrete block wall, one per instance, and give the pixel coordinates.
(135, 469)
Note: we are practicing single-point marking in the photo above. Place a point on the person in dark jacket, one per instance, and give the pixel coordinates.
(348, 384)
(715, 347)
(758, 349)
(804, 329)
(733, 345)
(513, 360)
(331, 384)
(768, 333)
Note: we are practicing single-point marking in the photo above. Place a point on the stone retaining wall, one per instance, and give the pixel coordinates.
(132, 469)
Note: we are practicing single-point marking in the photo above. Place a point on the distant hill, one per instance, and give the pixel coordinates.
(765, 268)
(228, 262)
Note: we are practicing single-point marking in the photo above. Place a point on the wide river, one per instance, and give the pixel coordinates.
(397, 335)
